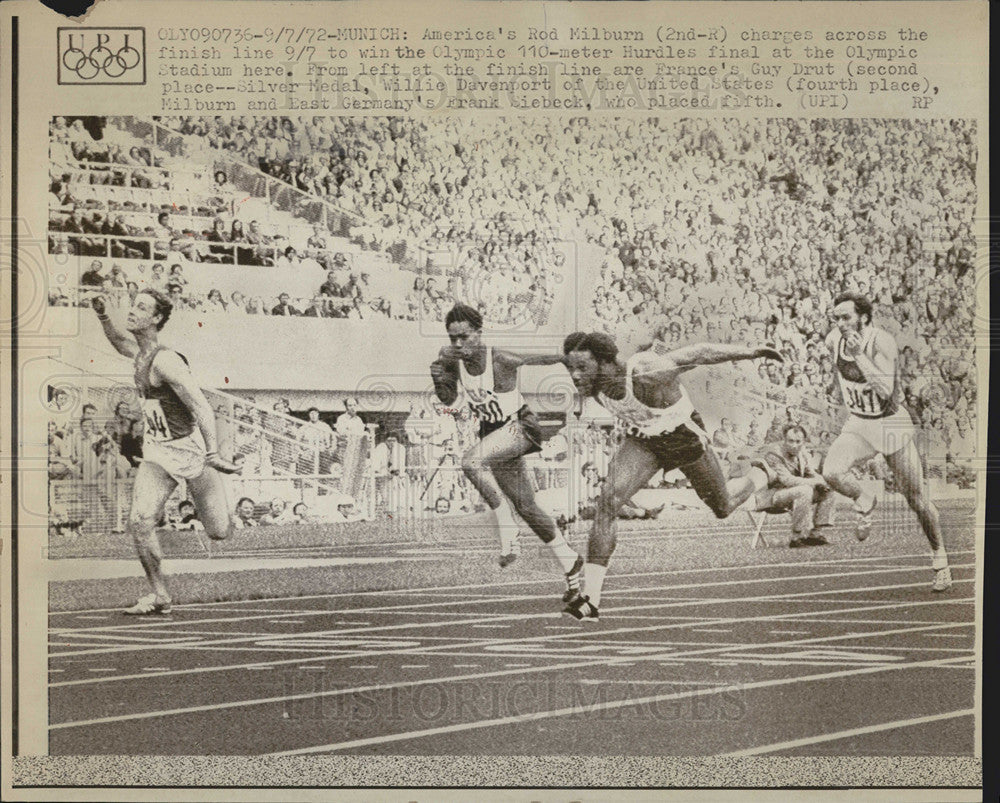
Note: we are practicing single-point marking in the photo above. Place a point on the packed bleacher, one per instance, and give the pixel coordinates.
(719, 229)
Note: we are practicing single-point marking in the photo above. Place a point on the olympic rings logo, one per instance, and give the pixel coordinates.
(100, 60)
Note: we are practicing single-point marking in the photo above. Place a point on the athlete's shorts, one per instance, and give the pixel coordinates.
(883, 435)
(677, 448)
(182, 458)
(526, 423)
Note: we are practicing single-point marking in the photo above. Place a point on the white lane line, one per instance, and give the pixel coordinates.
(853, 621)
(831, 737)
(585, 708)
(699, 602)
(572, 633)
(951, 635)
(465, 666)
(414, 666)
(162, 640)
(664, 682)
(802, 632)
(606, 661)
(362, 666)
(103, 669)
(57, 670)
(546, 580)
(711, 630)
(516, 666)
(493, 626)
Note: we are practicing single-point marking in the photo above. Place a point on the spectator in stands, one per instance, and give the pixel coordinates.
(94, 276)
(130, 445)
(177, 275)
(316, 309)
(315, 433)
(317, 240)
(244, 513)
(255, 306)
(61, 463)
(262, 253)
(277, 514)
(157, 279)
(215, 302)
(175, 292)
(219, 253)
(237, 303)
(288, 258)
(301, 514)
(283, 307)
(349, 423)
(121, 425)
(110, 463)
(88, 412)
(187, 517)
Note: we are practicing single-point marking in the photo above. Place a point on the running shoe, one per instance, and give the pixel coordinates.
(815, 538)
(573, 577)
(579, 608)
(148, 606)
(864, 527)
(942, 579)
(510, 548)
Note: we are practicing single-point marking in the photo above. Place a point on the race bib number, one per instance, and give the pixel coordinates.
(861, 399)
(488, 411)
(156, 421)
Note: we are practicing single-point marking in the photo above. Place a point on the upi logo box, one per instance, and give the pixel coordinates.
(102, 56)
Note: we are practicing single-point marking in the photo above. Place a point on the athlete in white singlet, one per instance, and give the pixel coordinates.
(179, 442)
(469, 372)
(663, 431)
(866, 362)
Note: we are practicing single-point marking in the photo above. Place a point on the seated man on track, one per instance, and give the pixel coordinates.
(789, 483)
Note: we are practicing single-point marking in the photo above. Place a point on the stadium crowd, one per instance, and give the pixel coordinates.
(719, 229)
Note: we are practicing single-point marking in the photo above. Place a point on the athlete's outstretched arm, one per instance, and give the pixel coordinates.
(692, 356)
(175, 372)
(123, 342)
(517, 360)
(444, 372)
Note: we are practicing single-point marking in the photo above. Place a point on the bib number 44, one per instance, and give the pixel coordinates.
(156, 422)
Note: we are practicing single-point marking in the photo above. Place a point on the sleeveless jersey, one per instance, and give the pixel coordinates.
(859, 395)
(490, 407)
(644, 421)
(167, 417)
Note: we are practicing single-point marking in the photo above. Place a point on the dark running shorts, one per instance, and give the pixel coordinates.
(528, 423)
(674, 449)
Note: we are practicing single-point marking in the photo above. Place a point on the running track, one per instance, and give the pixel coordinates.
(825, 656)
